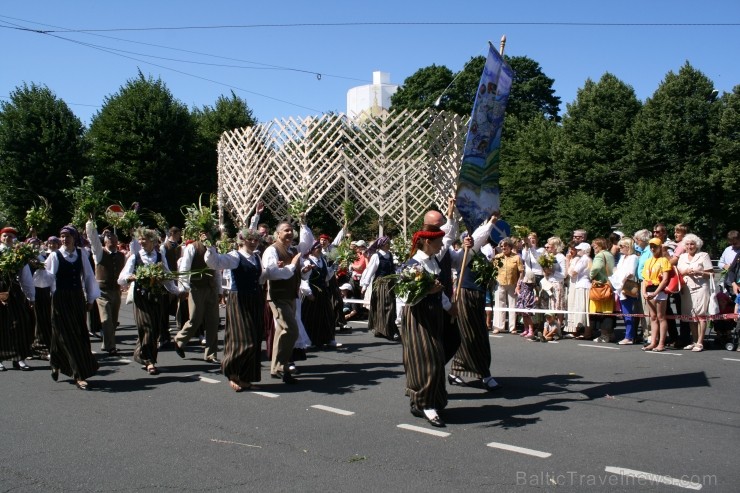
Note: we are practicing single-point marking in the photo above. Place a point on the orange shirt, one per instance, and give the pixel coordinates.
(508, 273)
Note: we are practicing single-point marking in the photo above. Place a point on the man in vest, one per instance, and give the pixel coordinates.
(281, 263)
(171, 250)
(451, 335)
(203, 299)
(108, 265)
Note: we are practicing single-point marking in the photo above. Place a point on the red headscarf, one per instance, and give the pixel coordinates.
(428, 233)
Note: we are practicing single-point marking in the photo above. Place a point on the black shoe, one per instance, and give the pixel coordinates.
(455, 380)
(436, 422)
(289, 379)
(214, 361)
(55, 374)
(179, 350)
(415, 411)
(2, 367)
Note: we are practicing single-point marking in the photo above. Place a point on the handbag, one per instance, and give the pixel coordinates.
(601, 291)
(674, 282)
(713, 308)
(631, 288)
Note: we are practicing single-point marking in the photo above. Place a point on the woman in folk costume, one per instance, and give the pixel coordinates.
(149, 300)
(244, 310)
(75, 291)
(317, 312)
(42, 306)
(473, 357)
(422, 331)
(382, 315)
(16, 309)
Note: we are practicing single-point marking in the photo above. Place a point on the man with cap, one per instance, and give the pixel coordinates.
(451, 334)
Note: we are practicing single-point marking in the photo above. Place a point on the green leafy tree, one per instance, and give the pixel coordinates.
(593, 141)
(581, 209)
(422, 88)
(210, 122)
(141, 147)
(670, 144)
(532, 91)
(526, 175)
(725, 166)
(40, 141)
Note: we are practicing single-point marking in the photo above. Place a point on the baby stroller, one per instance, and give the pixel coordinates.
(727, 332)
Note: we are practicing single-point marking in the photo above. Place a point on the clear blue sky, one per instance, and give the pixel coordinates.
(346, 56)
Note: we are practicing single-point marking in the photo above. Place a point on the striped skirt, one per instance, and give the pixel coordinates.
(317, 316)
(149, 325)
(70, 342)
(473, 357)
(243, 337)
(423, 353)
(382, 316)
(42, 310)
(16, 326)
(269, 325)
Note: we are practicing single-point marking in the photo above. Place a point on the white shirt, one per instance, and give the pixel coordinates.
(231, 260)
(25, 279)
(480, 238)
(146, 258)
(186, 263)
(372, 268)
(529, 259)
(626, 268)
(92, 290)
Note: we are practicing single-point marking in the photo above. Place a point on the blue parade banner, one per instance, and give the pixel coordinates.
(478, 181)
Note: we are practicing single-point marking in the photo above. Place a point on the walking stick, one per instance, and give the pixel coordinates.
(461, 275)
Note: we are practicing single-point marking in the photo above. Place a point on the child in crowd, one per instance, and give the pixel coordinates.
(349, 309)
(550, 328)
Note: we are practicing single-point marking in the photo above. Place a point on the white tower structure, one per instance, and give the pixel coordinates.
(372, 98)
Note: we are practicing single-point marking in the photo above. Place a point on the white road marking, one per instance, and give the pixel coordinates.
(205, 379)
(553, 342)
(600, 347)
(425, 430)
(124, 360)
(235, 443)
(731, 359)
(495, 335)
(264, 394)
(665, 353)
(650, 478)
(520, 450)
(333, 410)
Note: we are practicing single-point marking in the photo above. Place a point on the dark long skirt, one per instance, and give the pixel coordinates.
(243, 337)
(337, 304)
(318, 318)
(382, 317)
(473, 357)
(42, 310)
(149, 325)
(16, 326)
(269, 325)
(70, 342)
(423, 353)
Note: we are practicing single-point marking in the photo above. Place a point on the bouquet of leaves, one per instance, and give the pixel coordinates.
(225, 245)
(151, 277)
(400, 247)
(159, 220)
(298, 207)
(521, 231)
(14, 258)
(485, 270)
(39, 217)
(412, 284)
(86, 200)
(128, 221)
(199, 218)
(342, 256)
(349, 211)
(546, 260)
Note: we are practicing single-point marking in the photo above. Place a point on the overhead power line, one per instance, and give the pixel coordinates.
(408, 23)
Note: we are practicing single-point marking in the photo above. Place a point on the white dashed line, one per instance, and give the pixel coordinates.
(731, 359)
(600, 347)
(333, 410)
(205, 379)
(228, 442)
(124, 360)
(265, 394)
(664, 353)
(520, 450)
(496, 336)
(650, 478)
(424, 430)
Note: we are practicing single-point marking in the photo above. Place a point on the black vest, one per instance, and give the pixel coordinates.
(68, 273)
(245, 278)
(385, 265)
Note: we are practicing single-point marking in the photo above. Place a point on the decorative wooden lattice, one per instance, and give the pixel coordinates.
(395, 164)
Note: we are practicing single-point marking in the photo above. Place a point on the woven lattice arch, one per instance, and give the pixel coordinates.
(394, 164)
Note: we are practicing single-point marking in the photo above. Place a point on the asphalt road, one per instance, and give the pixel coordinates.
(572, 416)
